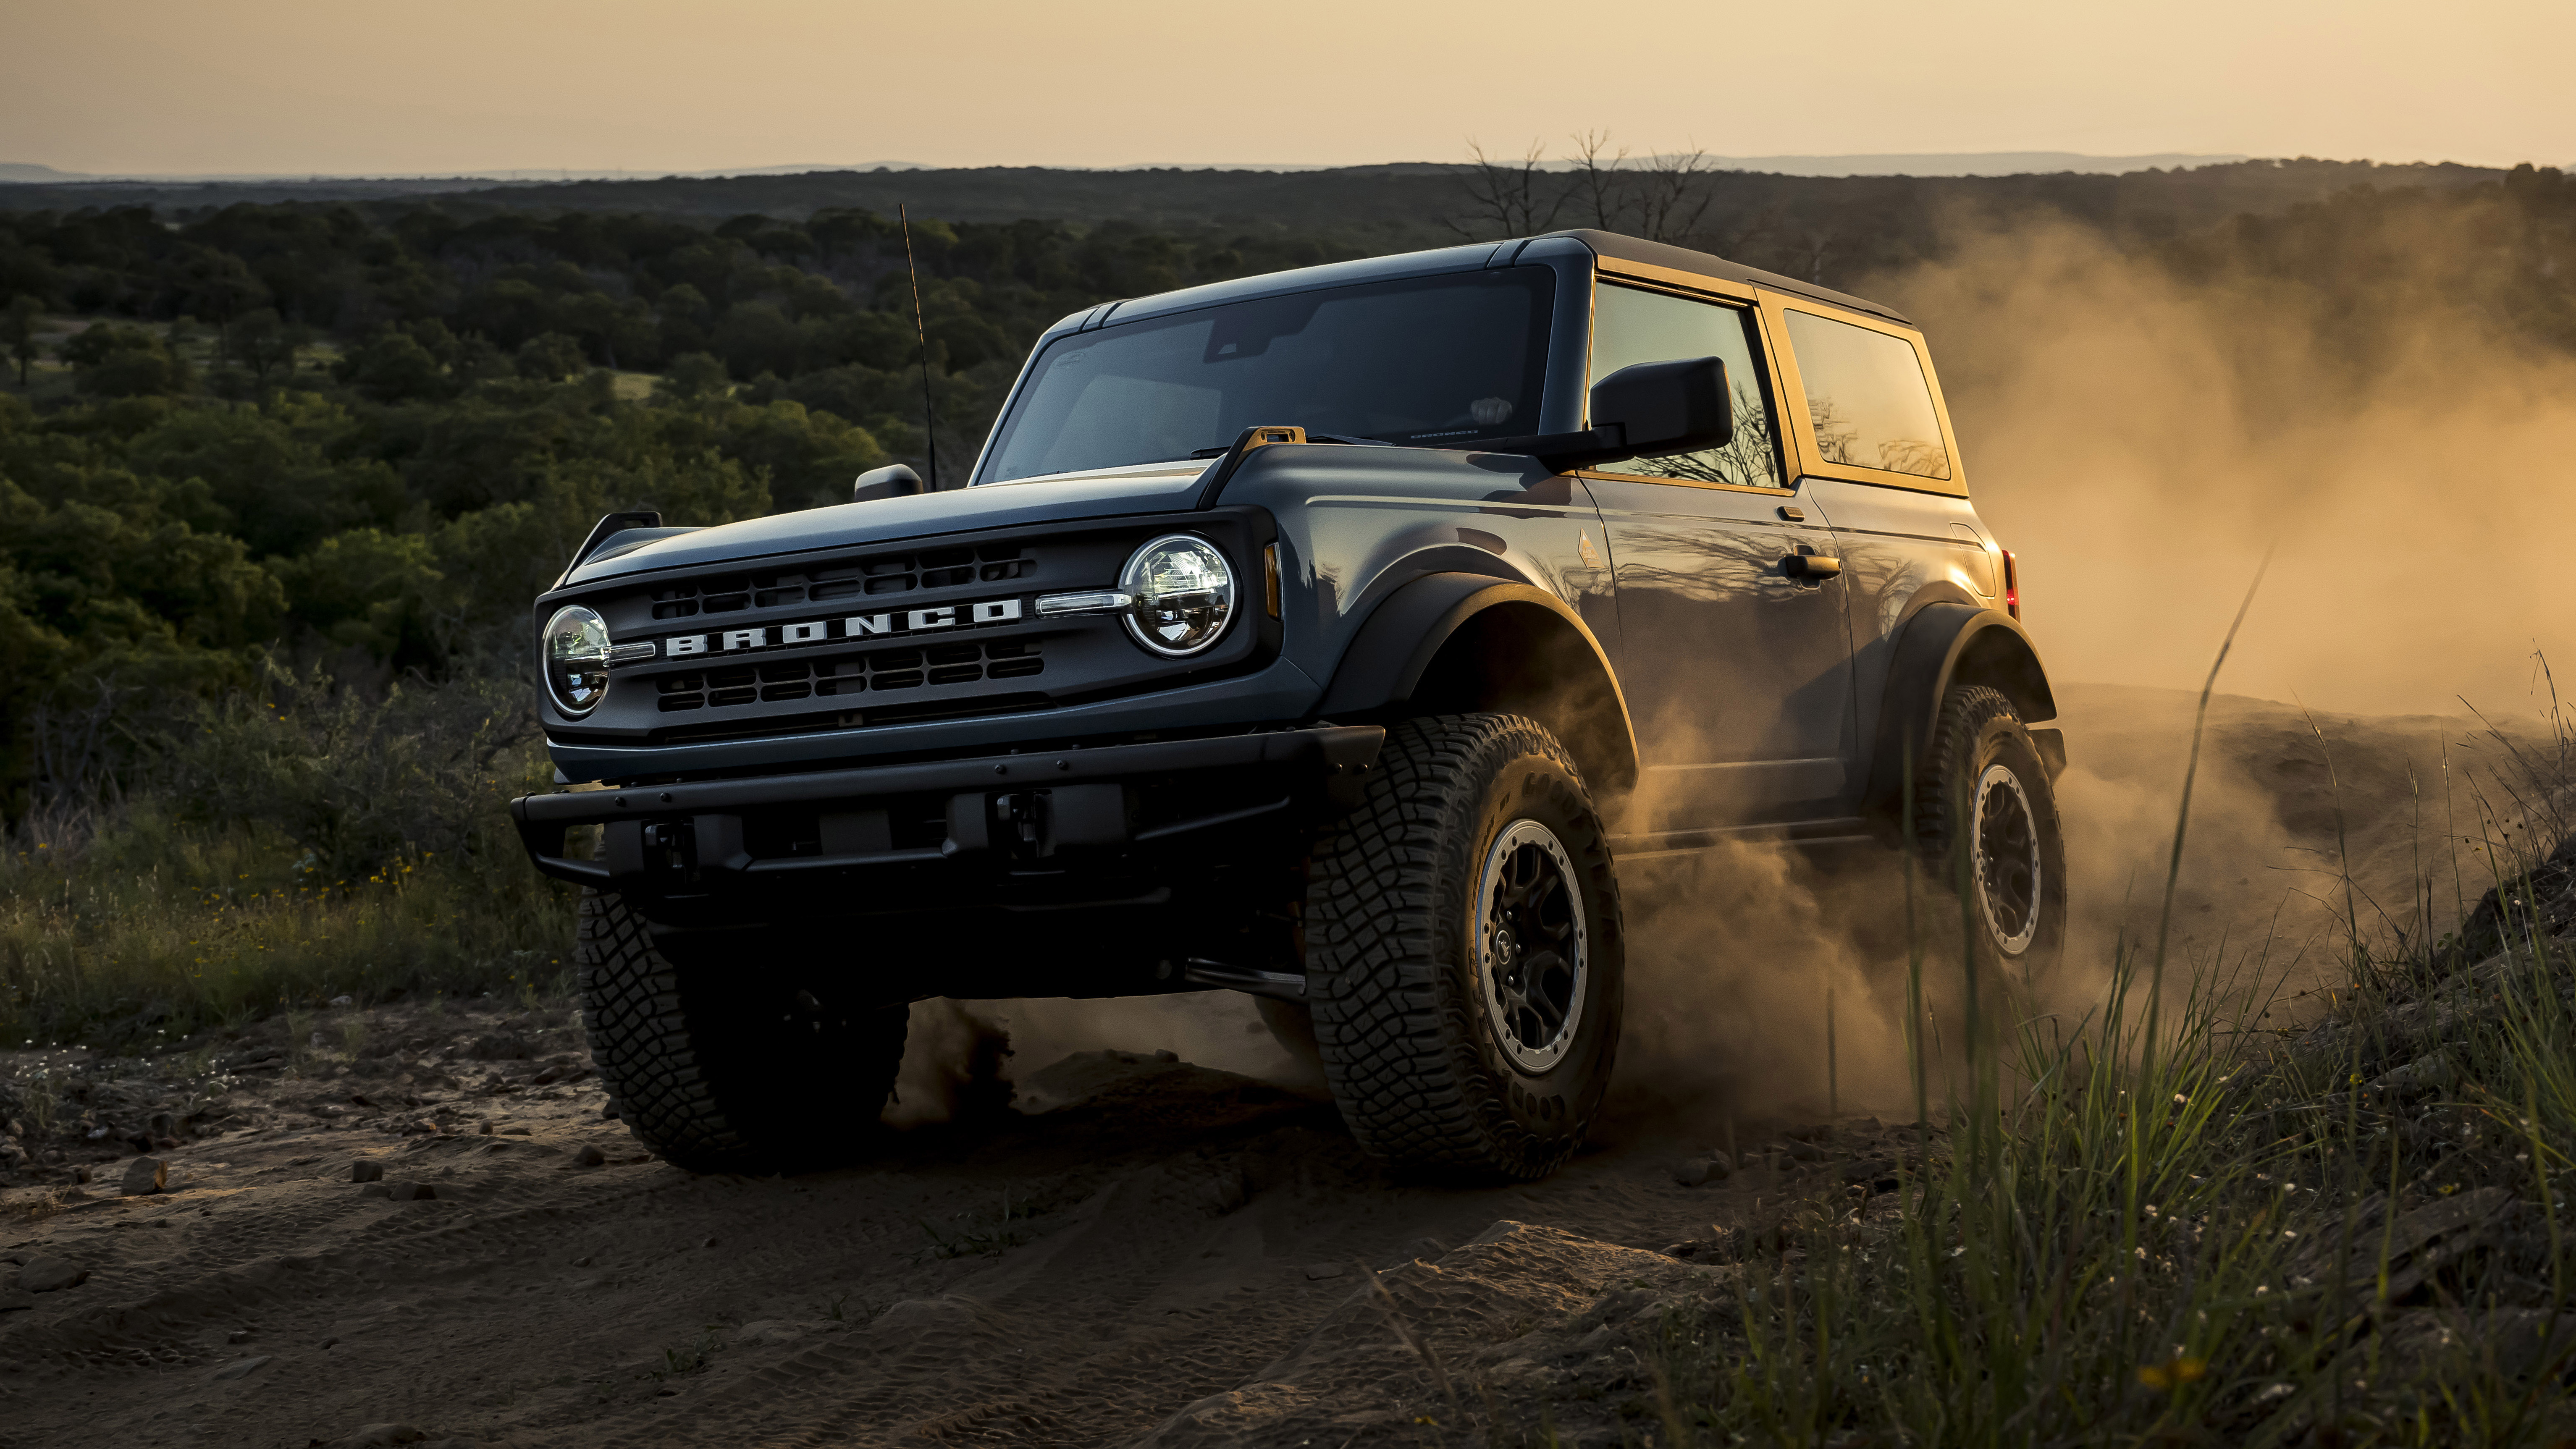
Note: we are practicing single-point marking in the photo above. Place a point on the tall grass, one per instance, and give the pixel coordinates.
(2168, 1223)
(2198, 1251)
(277, 850)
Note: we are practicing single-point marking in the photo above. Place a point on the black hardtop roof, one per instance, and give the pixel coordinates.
(1683, 259)
(1473, 256)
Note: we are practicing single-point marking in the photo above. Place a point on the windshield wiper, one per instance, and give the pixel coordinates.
(1222, 449)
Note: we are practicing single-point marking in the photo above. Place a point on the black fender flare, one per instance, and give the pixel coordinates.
(1939, 645)
(1396, 662)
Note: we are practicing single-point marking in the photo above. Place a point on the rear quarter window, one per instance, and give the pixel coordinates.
(1867, 398)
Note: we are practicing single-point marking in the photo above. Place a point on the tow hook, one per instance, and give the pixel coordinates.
(671, 851)
(1022, 818)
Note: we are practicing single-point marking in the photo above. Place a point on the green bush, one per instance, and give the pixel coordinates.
(355, 779)
(280, 846)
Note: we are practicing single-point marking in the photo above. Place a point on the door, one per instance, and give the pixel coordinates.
(1889, 482)
(1736, 662)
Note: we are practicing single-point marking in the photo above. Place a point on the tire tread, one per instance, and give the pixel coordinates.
(1398, 1051)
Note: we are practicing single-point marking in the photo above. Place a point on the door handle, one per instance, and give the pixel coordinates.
(1813, 567)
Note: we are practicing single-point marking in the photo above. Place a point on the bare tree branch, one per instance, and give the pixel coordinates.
(1600, 181)
(1507, 195)
(1666, 210)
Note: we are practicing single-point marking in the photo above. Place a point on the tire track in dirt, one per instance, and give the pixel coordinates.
(1162, 1229)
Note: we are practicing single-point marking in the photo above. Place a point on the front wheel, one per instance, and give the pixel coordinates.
(1985, 819)
(718, 1054)
(1464, 951)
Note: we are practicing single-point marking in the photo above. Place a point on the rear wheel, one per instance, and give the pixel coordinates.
(1985, 818)
(1464, 952)
(717, 1059)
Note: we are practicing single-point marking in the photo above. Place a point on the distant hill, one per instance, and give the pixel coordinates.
(1970, 163)
(457, 181)
(1967, 163)
(1404, 197)
(24, 192)
(1424, 203)
(1809, 225)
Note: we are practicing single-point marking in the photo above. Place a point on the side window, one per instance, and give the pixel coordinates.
(1867, 397)
(1630, 325)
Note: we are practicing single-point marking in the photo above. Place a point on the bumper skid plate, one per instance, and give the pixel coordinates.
(1053, 806)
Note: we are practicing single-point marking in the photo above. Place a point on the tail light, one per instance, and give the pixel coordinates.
(2012, 586)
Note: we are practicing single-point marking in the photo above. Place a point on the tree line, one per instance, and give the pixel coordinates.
(373, 439)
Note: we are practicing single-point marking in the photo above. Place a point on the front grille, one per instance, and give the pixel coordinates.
(877, 574)
(878, 670)
(885, 634)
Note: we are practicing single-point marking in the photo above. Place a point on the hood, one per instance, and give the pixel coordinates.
(1102, 493)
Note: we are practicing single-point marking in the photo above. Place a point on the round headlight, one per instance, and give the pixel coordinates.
(1183, 592)
(575, 658)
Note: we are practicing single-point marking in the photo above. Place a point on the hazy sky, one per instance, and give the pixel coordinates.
(364, 86)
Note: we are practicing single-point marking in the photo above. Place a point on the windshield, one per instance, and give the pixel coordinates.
(1421, 360)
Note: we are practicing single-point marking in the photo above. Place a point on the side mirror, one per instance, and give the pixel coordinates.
(1662, 408)
(1651, 410)
(892, 481)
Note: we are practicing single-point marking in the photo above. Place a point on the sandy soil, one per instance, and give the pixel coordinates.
(1167, 1250)
(1144, 1249)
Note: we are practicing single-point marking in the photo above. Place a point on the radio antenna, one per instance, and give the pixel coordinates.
(929, 419)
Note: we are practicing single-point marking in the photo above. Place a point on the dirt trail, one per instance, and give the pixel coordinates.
(1146, 1251)
(1168, 1234)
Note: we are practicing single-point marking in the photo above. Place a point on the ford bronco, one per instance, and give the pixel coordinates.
(1335, 636)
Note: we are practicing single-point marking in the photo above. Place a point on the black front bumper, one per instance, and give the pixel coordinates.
(1066, 824)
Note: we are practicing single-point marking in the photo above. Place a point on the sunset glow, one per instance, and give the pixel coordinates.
(293, 86)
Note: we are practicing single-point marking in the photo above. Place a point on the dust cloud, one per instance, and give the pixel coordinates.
(965, 1057)
(2140, 440)
(1759, 986)
(956, 1065)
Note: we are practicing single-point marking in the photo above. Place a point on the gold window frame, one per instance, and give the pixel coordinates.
(1735, 296)
(1800, 426)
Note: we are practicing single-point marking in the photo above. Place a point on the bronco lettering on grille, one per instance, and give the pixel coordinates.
(856, 626)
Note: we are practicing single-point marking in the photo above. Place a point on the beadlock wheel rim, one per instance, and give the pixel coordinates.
(2009, 870)
(1533, 946)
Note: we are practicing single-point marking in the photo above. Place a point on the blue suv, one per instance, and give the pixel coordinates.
(1335, 636)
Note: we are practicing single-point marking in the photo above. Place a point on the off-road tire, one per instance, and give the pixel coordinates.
(1415, 1058)
(713, 1061)
(2018, 913)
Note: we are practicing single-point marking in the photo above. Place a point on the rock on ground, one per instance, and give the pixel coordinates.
(49, 1274)
(378, 1436)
